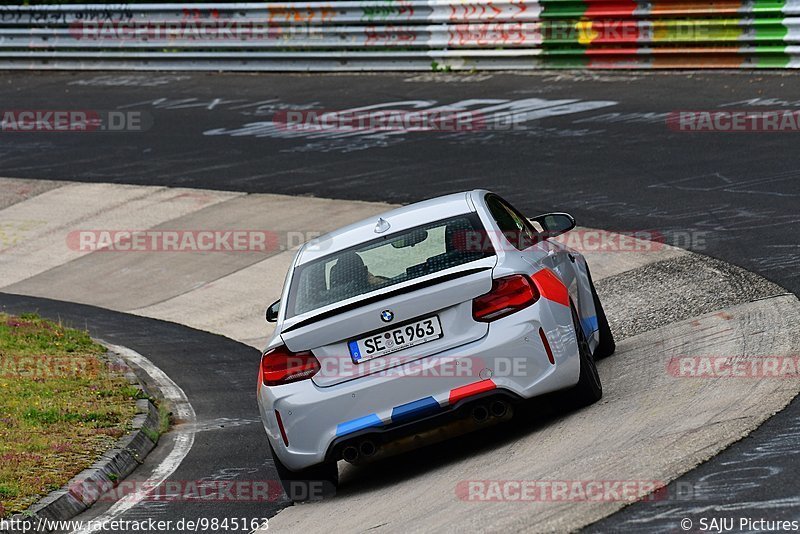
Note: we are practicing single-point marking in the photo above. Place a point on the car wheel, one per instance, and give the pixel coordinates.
(589, 389)
(606, 345)
(310, 484)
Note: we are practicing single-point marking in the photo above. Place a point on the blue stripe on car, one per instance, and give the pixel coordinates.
(358, 424)
(589, 324)
(404, 412)
(413, 410)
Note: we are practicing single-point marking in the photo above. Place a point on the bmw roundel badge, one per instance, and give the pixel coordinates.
(387, 316)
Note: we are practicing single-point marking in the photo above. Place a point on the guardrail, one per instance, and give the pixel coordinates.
(403, 35)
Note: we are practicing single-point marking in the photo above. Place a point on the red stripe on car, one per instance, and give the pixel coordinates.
(471, 389)
(551, 287)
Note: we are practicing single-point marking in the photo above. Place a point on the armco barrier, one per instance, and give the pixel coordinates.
(403, 35)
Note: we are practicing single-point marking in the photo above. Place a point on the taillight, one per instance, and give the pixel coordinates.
(281, 366)
(508, 295)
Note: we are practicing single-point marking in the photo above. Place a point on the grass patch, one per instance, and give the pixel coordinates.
(164, 420)
(61, 407)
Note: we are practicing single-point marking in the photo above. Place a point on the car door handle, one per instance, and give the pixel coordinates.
(571, 258)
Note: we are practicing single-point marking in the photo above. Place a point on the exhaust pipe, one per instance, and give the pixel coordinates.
(367, 448)
(350, 454)
(480, 413)
(499, 408)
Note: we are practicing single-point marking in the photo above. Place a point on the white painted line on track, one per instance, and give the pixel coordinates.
(181, 407)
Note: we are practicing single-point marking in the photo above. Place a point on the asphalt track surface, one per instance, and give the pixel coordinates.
(605, 154)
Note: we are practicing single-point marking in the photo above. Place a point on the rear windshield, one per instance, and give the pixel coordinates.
(386, 261)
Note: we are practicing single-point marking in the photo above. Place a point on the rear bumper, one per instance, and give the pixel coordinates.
(510, 358)
(450, 421)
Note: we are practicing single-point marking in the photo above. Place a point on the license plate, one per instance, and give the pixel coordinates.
(395, 339)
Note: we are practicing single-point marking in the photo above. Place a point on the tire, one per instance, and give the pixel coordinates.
(606, 345)
(589, 389)
(310, 484)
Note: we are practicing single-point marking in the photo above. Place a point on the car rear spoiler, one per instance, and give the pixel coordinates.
(382, 296)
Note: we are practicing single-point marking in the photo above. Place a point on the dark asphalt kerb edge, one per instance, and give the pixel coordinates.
(113, 466)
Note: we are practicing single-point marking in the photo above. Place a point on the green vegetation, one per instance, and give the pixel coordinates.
(61, 406)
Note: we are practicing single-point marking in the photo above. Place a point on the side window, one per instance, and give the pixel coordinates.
(533, 232)
(513, 225)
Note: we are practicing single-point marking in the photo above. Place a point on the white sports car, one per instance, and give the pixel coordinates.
(429, 321)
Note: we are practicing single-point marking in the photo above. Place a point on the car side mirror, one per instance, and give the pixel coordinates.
(272, 312)
(555, 224)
